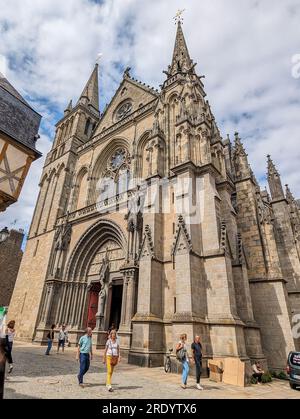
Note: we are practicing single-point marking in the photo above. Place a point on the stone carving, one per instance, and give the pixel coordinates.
(102, 299)
(223, 238)
(181, 234)
(147, 248)
(63, 236)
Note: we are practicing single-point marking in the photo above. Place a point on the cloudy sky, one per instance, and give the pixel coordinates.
(249, 51)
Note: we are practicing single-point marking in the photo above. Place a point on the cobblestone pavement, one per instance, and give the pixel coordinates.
(54, 377)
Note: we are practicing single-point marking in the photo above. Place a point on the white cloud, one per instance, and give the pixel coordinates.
(3, 64)
(245, 49)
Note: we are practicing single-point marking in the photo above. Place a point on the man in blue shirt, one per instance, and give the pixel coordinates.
(84, 354)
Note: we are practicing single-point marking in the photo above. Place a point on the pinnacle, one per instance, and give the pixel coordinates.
(238, 143)
(90, 94)
(69, 107)
(288, 193)
(271, 167)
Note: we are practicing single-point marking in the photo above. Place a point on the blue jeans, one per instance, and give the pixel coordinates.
(185, 372)
(49, 346)
(9, 352)
(84, 360)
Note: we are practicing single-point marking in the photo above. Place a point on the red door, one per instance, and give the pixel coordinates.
(92, 308)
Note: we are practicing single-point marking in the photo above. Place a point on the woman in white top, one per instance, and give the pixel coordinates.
(111, 357)
(10, 334)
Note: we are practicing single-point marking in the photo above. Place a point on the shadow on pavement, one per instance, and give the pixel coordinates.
(57, 365)
(10, 393)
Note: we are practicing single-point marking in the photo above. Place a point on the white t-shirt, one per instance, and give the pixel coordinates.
(11, 335)
(112, 348)
(63, 335)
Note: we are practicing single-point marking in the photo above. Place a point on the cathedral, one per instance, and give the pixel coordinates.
(149, 219)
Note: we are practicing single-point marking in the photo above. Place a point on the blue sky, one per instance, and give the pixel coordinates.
(247, 50)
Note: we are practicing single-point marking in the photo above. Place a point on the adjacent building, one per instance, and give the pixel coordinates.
(10, 258)
(148, 218)
(19, 125)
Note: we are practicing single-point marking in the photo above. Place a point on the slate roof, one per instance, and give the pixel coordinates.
(17, 119)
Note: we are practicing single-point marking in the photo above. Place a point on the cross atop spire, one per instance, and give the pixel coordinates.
(181, 61)
(178, 17)
(90, 94)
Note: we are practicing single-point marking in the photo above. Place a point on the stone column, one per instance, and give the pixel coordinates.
(61, 303)
(130, 279)
(128, 308)
(124, 296)
(75, 306)
(50, 288)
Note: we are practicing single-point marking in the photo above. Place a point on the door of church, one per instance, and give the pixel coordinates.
(116, 305)
(93, 306)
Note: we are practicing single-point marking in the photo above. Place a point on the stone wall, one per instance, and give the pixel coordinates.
(10, 259)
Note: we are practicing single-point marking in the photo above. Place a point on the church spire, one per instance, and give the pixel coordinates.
(181, 61)
(274, 181)
(90, 94)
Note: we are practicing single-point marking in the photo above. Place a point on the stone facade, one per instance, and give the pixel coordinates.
(148, 218)
(10, 259)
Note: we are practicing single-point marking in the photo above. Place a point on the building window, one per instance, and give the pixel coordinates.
(25, 296)
(36, 248)
(87, 126)
(54, 155)
(116, 179)
(123, 110)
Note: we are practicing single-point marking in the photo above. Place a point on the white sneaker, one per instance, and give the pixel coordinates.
(199, 387)
(109, 388)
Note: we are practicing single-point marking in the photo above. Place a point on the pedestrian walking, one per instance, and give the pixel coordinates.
(84, 354)
(111, 357)
(197, 355)
(183, 356)
(62, 338)
(3, 349)
(10, 334)
(50, 339)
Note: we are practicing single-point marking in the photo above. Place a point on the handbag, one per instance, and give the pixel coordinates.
(181, 354)
(114, 360)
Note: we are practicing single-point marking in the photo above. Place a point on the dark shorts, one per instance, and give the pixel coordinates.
(61, 343)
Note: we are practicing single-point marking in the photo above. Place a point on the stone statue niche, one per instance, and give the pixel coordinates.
(103, 293)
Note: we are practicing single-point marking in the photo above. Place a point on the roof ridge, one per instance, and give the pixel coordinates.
(144, 85)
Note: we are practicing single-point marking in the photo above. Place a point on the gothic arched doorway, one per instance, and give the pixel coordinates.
(95, 265)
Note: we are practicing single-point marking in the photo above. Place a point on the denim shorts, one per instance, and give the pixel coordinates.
(61, 343)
